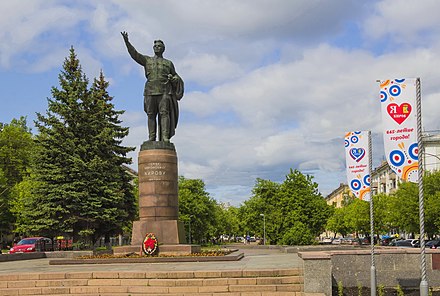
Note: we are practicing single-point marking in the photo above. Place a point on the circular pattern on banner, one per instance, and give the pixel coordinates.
(414, 151)
(354, 139)
(355, 184)
(399, 80)
(346, 143)
(395, 90)
(367, 180)
(149, 245)
(383, 96)
(397, 158)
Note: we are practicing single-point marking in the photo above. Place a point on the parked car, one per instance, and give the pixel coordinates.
(326, 241)
(336, 241)
(414, 242)
(32, 244)
(239, 239)
(434, 244)
(347, 240)
(401, 243)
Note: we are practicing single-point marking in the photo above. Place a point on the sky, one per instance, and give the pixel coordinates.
(270, 85)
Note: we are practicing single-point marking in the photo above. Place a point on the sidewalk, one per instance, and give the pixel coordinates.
(254, 258)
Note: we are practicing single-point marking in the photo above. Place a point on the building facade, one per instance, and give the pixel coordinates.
(431, 145)
(337, 197)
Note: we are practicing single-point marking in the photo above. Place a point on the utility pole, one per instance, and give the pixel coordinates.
(264, 228)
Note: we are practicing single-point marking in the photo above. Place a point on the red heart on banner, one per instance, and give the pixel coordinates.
(399, 113)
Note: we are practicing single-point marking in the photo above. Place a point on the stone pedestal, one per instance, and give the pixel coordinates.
(158, 200)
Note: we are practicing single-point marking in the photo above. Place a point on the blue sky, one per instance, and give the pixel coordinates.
(270, 85)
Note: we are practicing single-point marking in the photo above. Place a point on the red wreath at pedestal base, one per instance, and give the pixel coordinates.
(149, 245)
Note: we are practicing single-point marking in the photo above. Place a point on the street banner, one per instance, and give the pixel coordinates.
(357, 157)
(399, 122)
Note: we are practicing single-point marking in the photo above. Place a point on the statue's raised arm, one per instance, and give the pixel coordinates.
(135, 55)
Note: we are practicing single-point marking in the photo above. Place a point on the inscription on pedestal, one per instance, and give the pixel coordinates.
(154, 171)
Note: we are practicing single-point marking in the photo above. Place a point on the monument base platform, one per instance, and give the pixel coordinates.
(173, 250)
(170, 235)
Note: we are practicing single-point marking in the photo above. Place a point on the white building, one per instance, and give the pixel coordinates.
(384, 180)
(431, 143)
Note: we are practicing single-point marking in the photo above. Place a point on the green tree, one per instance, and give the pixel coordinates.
(82, 188)
(4, 206)
(383, 213)
(287, 207)
(228, 221)
(263, 201)
(337, 223)
(198, 208)
(357, 216)
(301, 202)
(431, 192)
(21, 195)
(110, 204)
(406, 207)
(299, 234)
(16, 150)
(58, 166)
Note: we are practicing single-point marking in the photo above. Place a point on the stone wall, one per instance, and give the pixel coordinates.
(40, 255)
(394, 266)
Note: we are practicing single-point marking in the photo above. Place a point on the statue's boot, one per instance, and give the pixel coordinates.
(152, 126)
(165, 123)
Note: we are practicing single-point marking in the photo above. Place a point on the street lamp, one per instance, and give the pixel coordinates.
(436, 156)
(433, 163)
(189, 226)
(264, 228)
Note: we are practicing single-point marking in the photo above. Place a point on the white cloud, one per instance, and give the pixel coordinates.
(404, 22)
(270, 85)
(207, 69)
(28, 27)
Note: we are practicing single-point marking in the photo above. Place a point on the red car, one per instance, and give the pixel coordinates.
(32, 244)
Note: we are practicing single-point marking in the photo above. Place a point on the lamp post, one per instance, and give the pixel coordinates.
(436, 156)
(429, 154)
(264, 228)
(189, 226)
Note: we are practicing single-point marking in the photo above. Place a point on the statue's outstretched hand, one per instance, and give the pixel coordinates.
(125, 36)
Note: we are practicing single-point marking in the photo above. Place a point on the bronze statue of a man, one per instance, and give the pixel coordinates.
(163, 89)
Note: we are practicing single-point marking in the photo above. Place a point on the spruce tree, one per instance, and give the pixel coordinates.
(58, 169)
(111, 203)
(83, 190)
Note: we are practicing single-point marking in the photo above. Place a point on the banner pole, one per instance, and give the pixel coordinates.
(424, 280)
(373, 284)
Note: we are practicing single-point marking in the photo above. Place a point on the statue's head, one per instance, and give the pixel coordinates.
(158, 47)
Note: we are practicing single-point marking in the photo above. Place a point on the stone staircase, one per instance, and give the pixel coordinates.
(281, 282)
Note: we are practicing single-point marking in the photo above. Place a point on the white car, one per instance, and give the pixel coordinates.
(336, 241)
(414, 242)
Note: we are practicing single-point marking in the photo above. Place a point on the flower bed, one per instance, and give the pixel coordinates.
(203, 253)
